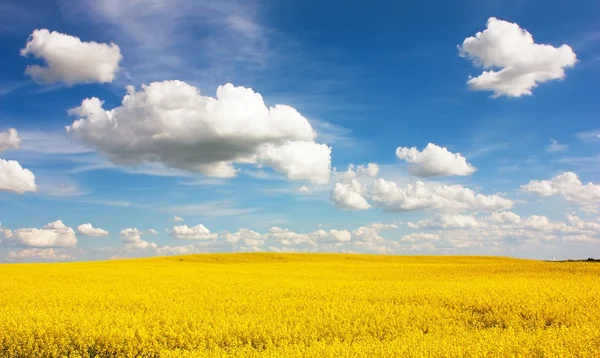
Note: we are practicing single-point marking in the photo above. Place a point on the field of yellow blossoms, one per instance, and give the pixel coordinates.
(301, 305)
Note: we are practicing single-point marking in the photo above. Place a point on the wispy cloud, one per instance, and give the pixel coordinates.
(592, 136)
(487, 149)
(556, 147)
(197, 39)
(333, 134)
(211, 209)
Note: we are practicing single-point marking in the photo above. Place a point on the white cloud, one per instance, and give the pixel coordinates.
(175, 250)
(382, 226)
(446, 221)
(498, 229)
(434, 161)
(287, 237)
(177, 219)
(131, 238)
(299, 160)
(54, 234)
(350, 196)
(70, 60)
(244, 238)
(424, 196)
(371, 170)
(38, 254)
(152, 232)
(556, 147)
(331, 235)
(304, 190)
(14, 178)
(198, 232)
(569, 187)
(9, 139)
(89, 230)
(368, 234)
(171, 123)
(523, 64)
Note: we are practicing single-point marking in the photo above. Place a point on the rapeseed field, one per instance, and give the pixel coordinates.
(301, 305)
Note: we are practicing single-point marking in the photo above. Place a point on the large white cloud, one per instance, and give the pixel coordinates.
(424, 196)
(70, 60)
(54, 234)
(14, 178)
(350, 196)
(171, 123)
(434, 161)
(569, 187)
(523, 64)
(89, 230)
(198, 232)
(131, 238)
(9, 139)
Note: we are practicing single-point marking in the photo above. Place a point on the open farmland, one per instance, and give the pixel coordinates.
(301, 305)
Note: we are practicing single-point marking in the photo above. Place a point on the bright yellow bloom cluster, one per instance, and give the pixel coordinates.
(301, 305)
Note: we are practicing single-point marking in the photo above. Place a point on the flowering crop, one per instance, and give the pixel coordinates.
(301, 305)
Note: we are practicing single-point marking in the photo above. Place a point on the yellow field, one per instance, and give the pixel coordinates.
(301, 305)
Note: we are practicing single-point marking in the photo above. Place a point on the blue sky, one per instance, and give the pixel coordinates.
(505, 92)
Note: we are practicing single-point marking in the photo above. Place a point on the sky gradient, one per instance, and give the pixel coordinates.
(154, 127)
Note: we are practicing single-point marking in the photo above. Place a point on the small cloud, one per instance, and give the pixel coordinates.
(177, 219)
(304, 190)
(556, 147)
(70, 60)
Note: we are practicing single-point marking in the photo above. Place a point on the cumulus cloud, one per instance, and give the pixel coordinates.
(54, 234)
(38, 254)
(131, 238)
(244, 238)
(287, 237)
(498, 229)
(446, 221)
(434, 161)
(15, 178)
(9, 139)
(350, 196)
(331, 235)
(175, 250)
(177, 219)
(198, 232)
(152, 232)
(522, 63)
(371, 170)
(425, 196)
(70, 60)
(89, 230)
(569, 187)
(171, 123)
